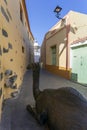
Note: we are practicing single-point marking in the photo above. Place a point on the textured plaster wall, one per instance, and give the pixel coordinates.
(59, 40)
(78, 28)
(15, 41)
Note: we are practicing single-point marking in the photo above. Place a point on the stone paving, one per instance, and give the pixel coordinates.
(15, 116)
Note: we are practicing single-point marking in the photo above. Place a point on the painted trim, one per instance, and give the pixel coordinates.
(67, 45)
(55, 32)
(61, 71)
(79, 44)
(79, 40)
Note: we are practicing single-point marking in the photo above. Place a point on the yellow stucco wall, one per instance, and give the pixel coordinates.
(58, 40)
(43, 54)
(16, 43)
(1, 71)
(78, 28)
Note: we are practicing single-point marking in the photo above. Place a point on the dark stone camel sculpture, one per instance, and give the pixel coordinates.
(61, 109)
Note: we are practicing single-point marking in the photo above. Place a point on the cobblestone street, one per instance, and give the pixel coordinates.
(15, 116)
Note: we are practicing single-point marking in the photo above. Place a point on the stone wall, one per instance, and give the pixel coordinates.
(16, 40)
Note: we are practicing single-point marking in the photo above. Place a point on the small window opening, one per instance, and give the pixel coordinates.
(22, 49)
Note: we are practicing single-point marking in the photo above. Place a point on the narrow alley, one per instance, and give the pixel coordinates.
(15, 115)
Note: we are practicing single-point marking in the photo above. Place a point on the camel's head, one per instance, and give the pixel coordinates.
(34, 66)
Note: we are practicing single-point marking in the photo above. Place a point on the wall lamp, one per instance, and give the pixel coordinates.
(57, 10)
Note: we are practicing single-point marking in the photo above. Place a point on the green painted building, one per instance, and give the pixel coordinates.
(79, 62)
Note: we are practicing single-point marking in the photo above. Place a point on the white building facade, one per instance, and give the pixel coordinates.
(36, 52)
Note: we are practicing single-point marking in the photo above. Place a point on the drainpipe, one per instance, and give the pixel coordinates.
(67, 44)
(45, 52)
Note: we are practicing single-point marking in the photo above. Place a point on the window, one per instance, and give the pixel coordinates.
(21, 14)
(53, 55)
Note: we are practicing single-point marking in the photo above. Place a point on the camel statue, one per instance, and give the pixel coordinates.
(60, 109)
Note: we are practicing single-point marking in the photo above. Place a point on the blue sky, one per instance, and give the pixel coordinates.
(42, 17)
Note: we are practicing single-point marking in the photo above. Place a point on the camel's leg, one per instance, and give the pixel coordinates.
(42, 118)
(31, 110)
